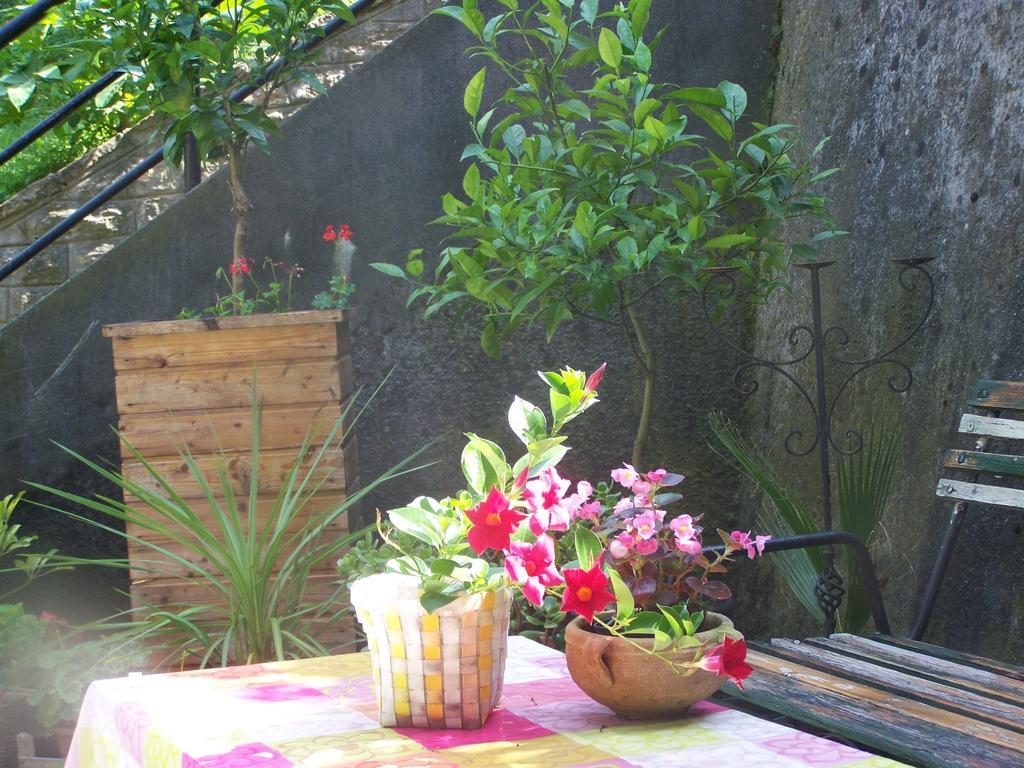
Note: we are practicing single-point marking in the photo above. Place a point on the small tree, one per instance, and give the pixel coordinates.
(590, 191)
(193, 55)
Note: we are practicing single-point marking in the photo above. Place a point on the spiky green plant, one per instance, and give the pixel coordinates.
(258, 608)
(864, 480)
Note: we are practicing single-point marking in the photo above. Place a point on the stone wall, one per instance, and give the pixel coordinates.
(924, 102)
(33, 211)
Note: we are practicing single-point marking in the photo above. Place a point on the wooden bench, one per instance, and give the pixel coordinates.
(921, 703)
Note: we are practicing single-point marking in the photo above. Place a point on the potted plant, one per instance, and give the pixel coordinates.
(436, 624)
(593, 191)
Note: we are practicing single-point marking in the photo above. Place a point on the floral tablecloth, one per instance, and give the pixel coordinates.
(319, 713)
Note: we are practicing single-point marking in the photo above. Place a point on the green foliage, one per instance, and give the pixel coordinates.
(259, 572)
(590, 188)
(337, 296)
(864, 481)
(450, 570)
(68, 50)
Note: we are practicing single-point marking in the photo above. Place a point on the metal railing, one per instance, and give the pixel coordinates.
(25, 21)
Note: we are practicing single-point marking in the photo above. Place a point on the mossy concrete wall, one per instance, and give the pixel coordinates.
(924, 102)
(377, 153)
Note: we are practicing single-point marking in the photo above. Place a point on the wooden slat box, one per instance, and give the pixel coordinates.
(188, 384)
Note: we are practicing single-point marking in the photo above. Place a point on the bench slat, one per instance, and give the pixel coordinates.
(911, 730)
(997, 395)
(959, 657)
(979, 681)
(990, 426)
(981, 494)
(994, 463)
(820, 655)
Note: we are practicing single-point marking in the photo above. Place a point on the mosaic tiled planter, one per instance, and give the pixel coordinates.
(442, 670)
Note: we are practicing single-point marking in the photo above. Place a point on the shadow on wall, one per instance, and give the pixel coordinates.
(377, 153)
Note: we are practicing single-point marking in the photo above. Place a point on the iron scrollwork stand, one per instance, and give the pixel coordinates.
(825, 346)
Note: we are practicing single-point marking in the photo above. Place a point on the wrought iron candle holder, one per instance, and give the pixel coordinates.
(826, 347)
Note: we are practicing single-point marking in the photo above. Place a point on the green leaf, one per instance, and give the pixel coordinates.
(610, 48)
(442, 566)
(642, 56)
(431, 601)
(471, 181)
(728, 241)
(420, 520)
(474, 93)
(714, 120)
(588, 547)
(527, 421)
(388, 269)
(20, 88)
(624, 603)
(588, 10)
(483, 465)
(489, 341)
(710, 96)
(735, 100)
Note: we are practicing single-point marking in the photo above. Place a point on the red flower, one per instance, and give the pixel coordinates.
(729, 659)
(493, 521)
(586, 592)
(240, 267)
(330, 234)
(345, 233)
(595, 378)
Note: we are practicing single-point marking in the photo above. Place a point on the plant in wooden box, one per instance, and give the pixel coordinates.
(436, 625)
(226, 574)
(593, 190)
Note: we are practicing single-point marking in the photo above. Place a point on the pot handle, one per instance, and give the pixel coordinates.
(595, 647)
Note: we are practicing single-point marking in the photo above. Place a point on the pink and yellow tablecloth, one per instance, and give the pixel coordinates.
(319, 713)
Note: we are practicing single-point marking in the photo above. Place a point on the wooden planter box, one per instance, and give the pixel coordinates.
(188, 384)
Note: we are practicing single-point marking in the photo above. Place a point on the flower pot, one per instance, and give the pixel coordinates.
(442, 670)
(188, 384)
(615, 672)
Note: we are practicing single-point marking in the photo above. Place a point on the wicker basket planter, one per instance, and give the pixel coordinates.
(442, 670)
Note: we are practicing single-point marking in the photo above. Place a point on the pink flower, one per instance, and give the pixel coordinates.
(584, 489)
(621, 545)
(544, 495)
(623, 504)
(641, 488)
(625, 476)
(655, 476)
(645, 525)
(683, 526)
(688, 546)
(589, 511)
(641, 500)
(532, 567)
(586, 592)
(646, 547)
(575, 503)
(729, 660)
(753, 545)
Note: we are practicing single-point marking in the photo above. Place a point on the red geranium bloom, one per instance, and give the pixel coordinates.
(729, 659)
(240, 267)
(493, 521)
(586, 592)
(330, 234)
(345, 233)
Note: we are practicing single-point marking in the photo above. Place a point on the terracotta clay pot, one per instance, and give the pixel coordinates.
(633, 684)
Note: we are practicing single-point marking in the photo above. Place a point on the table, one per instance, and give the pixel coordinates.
(319, 713)
(933, 706)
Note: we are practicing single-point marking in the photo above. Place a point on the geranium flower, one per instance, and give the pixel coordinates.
(493, 521)
(728, 659)
(621, 545)
(645, 525)
(240, 267)
(544, 495)
(625, 476)
(646, 547)
(532, 567)
(586, 592)
(655, 476)
(753, 545)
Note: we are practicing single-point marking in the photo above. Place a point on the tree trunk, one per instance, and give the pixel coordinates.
(644, 355)
(241, 206)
